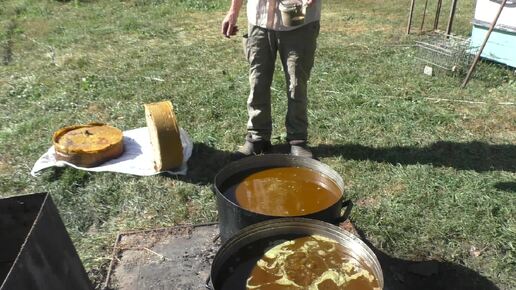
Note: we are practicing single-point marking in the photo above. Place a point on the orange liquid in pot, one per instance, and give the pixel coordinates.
(304, 263)
(285, 191)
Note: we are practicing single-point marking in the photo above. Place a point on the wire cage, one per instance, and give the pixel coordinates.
(448, 52)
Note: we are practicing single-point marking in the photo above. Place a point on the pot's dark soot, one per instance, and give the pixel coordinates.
(283, 191)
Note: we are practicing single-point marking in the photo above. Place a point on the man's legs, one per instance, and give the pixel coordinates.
(297, 52)
(261, 55)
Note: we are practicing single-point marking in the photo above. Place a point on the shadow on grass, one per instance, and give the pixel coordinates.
(68, 176)
(506, 186)
(478, 156)
(427, 275)
(205, 163)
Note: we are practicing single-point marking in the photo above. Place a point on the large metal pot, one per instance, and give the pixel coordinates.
(233, 218)
(285, 228)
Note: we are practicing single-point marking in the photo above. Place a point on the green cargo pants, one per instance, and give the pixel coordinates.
(296, 49)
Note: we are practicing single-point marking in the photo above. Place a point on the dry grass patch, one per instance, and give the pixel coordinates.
(368, 202)
(496, 123)
(37, 28)
(394, 188)
(5, 167)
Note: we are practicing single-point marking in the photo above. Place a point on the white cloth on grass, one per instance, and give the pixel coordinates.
(137, 159)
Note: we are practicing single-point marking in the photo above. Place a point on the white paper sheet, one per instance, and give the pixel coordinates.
(137, 159)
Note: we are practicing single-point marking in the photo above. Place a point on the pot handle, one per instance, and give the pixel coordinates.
(208, 283)
(348, 204)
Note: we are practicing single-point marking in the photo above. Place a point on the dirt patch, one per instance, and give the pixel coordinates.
(349, 227)
(498, 123)
(367, 202)
(95, 108)
(36, 28)
(5, 167)
(173, 258)
(394, 188)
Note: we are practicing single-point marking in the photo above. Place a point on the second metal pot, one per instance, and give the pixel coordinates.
(233, 218)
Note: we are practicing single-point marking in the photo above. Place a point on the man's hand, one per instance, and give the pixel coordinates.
(229, 27)
(309, 2)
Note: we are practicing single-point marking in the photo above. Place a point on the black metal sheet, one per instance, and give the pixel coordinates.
(32, 233)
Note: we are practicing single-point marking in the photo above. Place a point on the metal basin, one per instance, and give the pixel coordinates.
(250, 237)
(233, 217)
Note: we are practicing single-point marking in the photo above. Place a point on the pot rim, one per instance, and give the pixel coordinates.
(270, 228)
(274, 161)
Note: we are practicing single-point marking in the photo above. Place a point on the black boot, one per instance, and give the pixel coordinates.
(300, 148)
(252, 148)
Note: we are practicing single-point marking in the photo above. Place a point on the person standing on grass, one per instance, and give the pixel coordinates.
(268, 36)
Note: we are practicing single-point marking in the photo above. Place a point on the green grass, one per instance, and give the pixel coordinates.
(431, 179)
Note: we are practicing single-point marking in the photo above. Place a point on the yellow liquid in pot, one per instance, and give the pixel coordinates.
(303, 263)
(311, 263)
(285, 191)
